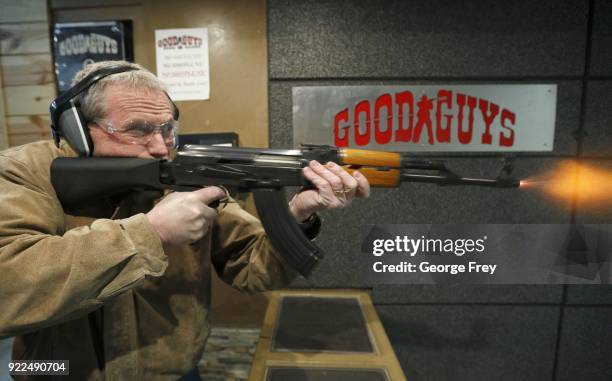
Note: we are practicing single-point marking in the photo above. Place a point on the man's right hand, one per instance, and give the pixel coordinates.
(184, 217)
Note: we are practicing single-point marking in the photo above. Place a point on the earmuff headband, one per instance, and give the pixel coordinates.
(65, 101)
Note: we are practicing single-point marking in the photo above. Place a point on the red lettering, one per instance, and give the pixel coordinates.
(443, 133)
(448, 105)
(342, 116)
(488, 119)
(424, 119)
(507, 141)
(465, 136)
(383, 137)
(404, 99)
(362, 139)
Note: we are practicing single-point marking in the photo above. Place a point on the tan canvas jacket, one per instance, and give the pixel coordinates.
(102, 293)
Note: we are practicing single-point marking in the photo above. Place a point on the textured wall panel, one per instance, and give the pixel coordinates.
(597, 142)
(586, 344)
(426, 203)
(392, 38)
(371, 42)
(588, 294)
(598, 121)
(463, 343)
(434, 294)
(601, 39)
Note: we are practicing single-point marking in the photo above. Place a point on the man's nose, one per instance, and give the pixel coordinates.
(157, 146)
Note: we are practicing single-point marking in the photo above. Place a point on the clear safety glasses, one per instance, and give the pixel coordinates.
(141, 131)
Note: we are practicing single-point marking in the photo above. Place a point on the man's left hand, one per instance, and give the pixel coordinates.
(335, 188)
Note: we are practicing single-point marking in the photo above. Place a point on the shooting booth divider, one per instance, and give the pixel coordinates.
(323, 335)
(226, 139)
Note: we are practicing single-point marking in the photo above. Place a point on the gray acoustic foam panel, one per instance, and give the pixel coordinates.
(598, 121)
(373, 38)
(593, 214)
(467, 294)
(601, 39)
(585, 351)
(321, 324)
(318, 374)
(343, 230)
(589, 294)
(449, 343)
(426, 203)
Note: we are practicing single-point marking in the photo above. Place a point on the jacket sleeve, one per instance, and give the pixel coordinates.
(50, 275)
(242, 254)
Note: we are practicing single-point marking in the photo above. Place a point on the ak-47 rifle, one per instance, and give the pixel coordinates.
(264, 172)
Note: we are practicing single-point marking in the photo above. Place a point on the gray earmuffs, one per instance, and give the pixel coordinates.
(67, 120)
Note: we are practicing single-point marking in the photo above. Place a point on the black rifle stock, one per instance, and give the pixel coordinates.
(264, 172)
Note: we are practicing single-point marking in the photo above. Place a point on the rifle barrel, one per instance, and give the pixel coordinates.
(447, 179)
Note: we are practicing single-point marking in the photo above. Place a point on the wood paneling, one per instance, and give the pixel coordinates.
(26, 69)
(24, 38)
(17, 140)
(28, 100)
(23, 10)
(26, 129)
(4, 141)
(238, 64)
(31, 69)
(80, 4)
(32, 124)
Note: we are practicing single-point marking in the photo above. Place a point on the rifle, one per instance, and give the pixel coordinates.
(264, 172)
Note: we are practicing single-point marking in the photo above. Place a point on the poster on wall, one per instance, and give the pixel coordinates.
(182, 62)
(428, 118)
(78, 44)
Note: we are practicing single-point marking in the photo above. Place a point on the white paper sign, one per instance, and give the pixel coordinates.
(182, 62)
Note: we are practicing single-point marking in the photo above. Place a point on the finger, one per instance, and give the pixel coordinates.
(334, 181)
(203, 221)
(329, 186)
(349, 182)
(209, 194)
(319, 182)
(209, 215)
(363, 185)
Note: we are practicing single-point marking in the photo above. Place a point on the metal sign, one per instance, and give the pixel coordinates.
(427, 118)
(78, 44)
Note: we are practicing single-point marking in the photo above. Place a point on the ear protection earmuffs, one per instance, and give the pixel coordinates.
(68, 122)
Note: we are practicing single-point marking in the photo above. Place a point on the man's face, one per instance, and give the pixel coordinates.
(124, 105)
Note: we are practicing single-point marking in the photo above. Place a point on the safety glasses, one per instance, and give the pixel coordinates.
(141, 131)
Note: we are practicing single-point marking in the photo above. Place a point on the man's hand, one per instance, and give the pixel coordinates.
(184, 217)
(336, 188)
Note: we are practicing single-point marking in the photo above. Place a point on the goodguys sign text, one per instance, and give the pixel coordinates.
(441, 118)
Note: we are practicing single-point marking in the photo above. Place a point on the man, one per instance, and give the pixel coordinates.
(125, 295)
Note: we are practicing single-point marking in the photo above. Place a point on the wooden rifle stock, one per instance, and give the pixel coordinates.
(363, 157)
(380, 178)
